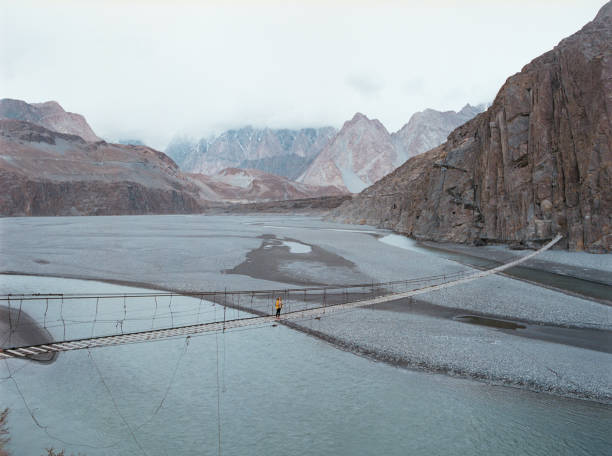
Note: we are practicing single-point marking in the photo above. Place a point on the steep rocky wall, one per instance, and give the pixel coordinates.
(536, 163)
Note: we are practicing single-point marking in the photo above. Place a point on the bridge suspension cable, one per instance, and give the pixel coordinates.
(291, 316)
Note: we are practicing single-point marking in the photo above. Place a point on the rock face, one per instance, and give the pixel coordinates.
(536, 163)
(49, 115)
(363, 151)
(282, 152)
(248, 185)
(43, 172)
(430, 128)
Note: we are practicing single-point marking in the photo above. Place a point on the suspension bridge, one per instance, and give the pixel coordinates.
(324, 301)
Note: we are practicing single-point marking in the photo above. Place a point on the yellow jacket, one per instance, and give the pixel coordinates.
(279, 303)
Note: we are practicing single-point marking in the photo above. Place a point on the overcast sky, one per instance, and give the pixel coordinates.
(150, 70)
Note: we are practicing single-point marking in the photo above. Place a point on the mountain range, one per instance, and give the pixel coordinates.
(362, 152)
(44, 171)
(283, 152)
(538, 162)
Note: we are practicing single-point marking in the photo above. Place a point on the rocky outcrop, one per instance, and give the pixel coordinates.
(282, 152)
(43, 172)
(49, 115)
(536, 163)
(363, 151)
(246, 185)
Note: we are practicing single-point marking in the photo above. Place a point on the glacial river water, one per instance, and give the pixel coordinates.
(270, 391)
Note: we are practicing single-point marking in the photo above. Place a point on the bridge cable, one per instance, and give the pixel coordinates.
(45, 316)
(154, 313)
(171, 314)
(218, 397)
(93, 326)
(38, 424)
(200, 307)
(127, 425)
(62, 315)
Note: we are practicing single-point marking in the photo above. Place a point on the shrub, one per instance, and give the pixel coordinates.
(4, 438)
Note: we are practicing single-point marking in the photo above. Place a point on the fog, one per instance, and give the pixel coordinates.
(150, 70)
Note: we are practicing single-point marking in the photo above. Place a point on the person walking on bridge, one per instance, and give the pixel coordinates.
(279, 306)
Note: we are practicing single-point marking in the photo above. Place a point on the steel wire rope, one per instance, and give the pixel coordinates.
(10, 333)
(119, 323)
(19, 313)
(169, 386)
(200, 308)
(470, 277)
(45, 316)
(127, 425)
(62, 315)
(19, 369)
(71, 322)
(154, 313)
(171, 314)
(218, 396)
(38, 424)
(93, 326)
(369, 285)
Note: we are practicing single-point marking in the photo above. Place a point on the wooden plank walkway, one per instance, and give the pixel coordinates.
(183, 331)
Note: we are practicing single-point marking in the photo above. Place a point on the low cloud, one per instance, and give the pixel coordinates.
(365, 85)
(155, 69)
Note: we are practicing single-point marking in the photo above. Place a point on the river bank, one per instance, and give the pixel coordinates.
(187, 253)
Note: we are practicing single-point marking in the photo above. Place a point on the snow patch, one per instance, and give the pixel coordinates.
(296, 247)
(402, 242)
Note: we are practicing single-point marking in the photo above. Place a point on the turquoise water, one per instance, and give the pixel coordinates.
(272, 391)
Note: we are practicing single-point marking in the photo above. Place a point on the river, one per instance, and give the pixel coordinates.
(269, 390)
(272, 390)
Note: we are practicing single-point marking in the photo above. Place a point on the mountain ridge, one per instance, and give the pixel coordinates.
(250, 147)
(49, 114)
(364, 151)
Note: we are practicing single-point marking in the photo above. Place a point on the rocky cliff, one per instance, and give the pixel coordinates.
(43, 172)
(283, 152)
(49, 115)
(536, 163)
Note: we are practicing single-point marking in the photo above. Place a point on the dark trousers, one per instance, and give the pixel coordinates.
(278, 312)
